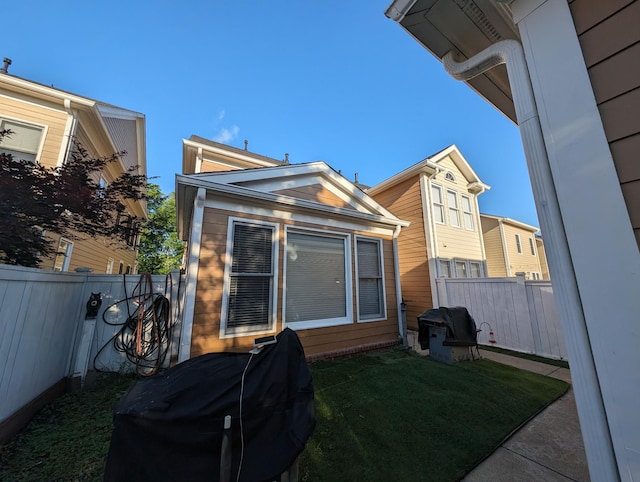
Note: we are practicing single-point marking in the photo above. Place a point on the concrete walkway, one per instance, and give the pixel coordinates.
(548, 448)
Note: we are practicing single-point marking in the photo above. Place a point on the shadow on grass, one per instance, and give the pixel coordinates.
(390, 416)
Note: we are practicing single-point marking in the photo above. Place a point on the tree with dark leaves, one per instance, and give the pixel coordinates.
(160, 248)
(68, 200)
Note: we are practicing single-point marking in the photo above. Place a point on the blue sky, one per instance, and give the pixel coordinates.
(320, 80)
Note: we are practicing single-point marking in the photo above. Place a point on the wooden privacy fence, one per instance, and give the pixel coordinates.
(522, 314)
(45, 338)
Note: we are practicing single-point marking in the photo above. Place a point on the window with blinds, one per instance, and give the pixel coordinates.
(317, 284)
(24, 141)
(251, 278)
(371, 302)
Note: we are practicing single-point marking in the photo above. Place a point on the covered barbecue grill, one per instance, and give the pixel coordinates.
(172, 426)
(449, 333)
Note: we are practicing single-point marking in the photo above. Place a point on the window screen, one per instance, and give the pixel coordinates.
(370, 289)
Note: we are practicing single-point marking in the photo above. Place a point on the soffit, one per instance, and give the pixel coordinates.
(467, 27)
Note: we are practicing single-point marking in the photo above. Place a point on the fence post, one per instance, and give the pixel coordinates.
(82, 350)
(441, 287)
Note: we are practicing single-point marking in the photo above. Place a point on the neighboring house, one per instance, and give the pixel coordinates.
(572, 85)
(45, 121)
(511, 248)
(439, 196)
(294, 246)
(203, 155)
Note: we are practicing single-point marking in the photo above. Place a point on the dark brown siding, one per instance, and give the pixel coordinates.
(208, 303)
(609, 35)
(405, 201)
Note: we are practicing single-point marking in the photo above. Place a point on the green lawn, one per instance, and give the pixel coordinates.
(384, 416)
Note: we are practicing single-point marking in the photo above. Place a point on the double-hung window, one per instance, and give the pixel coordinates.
(317, 279)
(250, 284)
(24, 141)
(531, 245)
(467, 212)
(438, 204)
(454, 212)
(371, 298)
(518, 245)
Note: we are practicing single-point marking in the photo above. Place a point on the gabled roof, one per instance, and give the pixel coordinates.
(117, 128)
(430, 166)
(512, 222)
(198, 147)
(263, 186)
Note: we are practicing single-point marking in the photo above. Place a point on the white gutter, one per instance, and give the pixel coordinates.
(184, 352)
(398, 9)
(593, 419)
(402, 324)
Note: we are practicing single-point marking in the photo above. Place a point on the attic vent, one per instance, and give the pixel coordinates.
(450, 177)
(480, 20)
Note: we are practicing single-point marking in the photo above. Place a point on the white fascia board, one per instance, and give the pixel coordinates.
(461, 163)
(286, 171)
(512, 222)
(50, 92)
(290, 203)
(224, 152)
(425, 166)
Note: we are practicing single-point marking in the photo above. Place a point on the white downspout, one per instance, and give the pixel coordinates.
(193, 260)
(402, 324)
(69, 133)
(593, 420)
(505, 249)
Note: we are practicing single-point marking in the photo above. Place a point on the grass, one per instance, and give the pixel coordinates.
(527, 356)
(383, 416)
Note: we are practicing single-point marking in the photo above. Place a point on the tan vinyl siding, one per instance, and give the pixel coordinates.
(496, 267)
(610, 39)
(523, 262)
(405, 201)
(94, 254)
(316, 193)
(208, 303)
(456, 242)
(31, 113)
(210, 166)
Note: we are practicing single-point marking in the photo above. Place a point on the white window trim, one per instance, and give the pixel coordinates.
(518, 244)
(110, 263)
(305, 325)
(441, 204)
(67, 254)
(449, 176)
(532, 246)
(382, 274)
(470, 212)
(226, 332)
(44, 128)
(456, 209)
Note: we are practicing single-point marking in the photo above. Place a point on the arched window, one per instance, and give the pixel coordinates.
(450, 177)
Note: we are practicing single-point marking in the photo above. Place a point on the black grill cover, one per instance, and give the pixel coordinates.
(461, 329)
(169, 427)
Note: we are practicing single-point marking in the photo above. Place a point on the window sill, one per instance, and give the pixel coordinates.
(310, 324)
